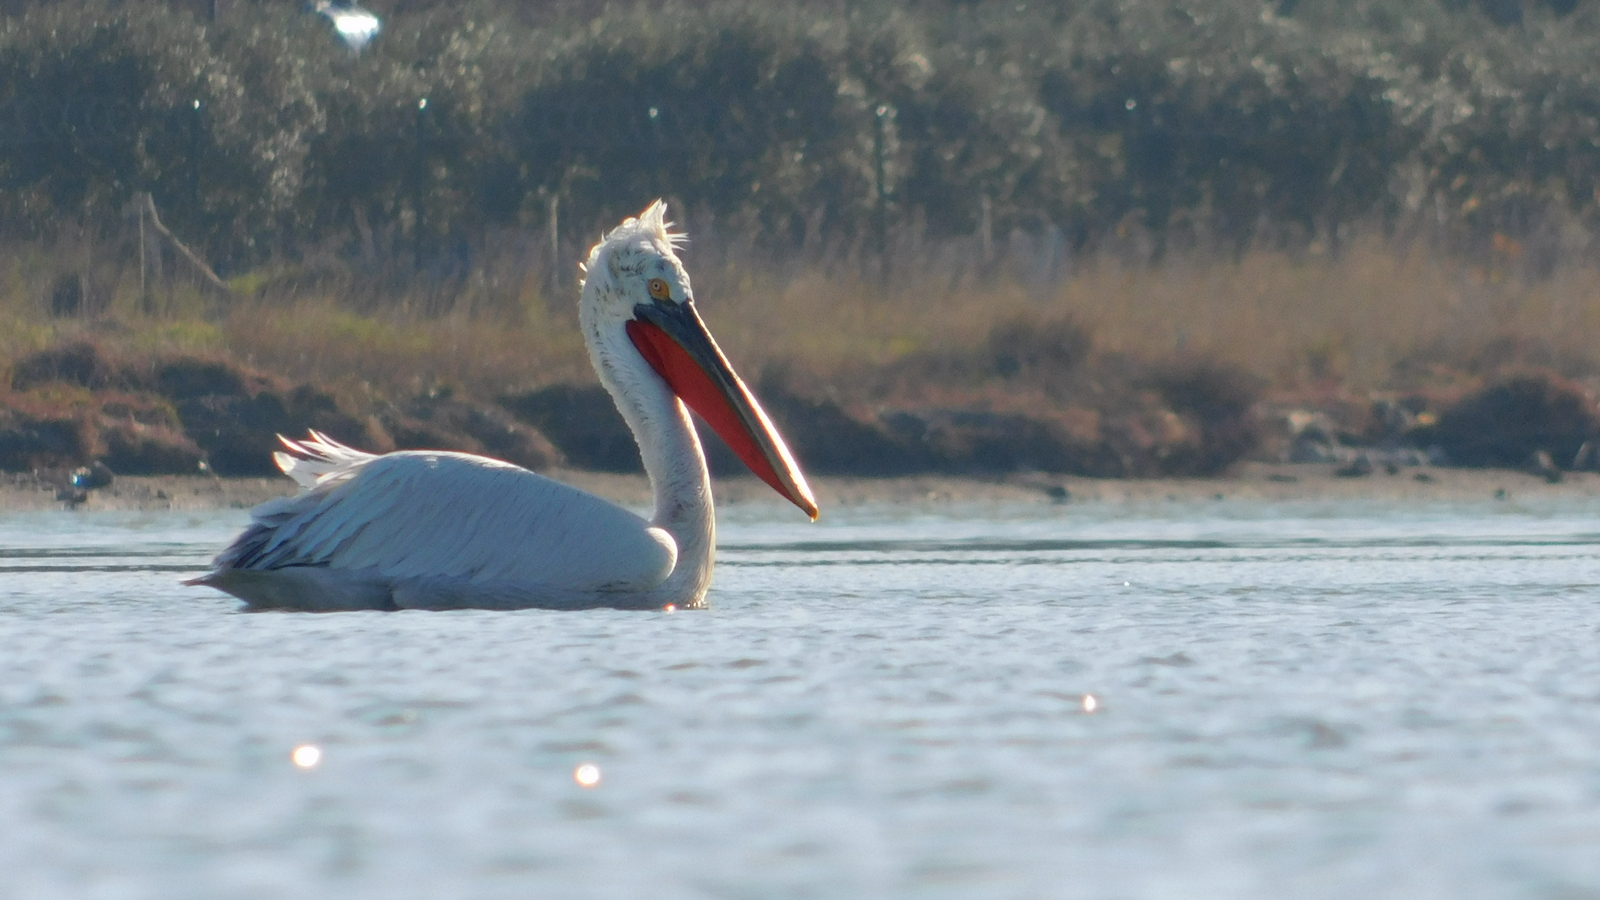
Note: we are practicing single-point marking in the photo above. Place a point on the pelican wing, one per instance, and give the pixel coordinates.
(452, 517)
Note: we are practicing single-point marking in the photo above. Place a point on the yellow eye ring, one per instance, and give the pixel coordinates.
(658, 290)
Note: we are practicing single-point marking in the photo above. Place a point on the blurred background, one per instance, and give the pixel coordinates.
(1107, 237)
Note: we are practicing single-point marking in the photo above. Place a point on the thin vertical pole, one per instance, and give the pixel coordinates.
(144, 250)
(421, 180)
(194, 160)
(880, 214)
(986, 229)
(555, 239)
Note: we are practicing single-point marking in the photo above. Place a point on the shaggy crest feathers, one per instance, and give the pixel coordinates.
(651, 225)
(652, 222)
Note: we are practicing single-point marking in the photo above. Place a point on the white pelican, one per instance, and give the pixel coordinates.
(435, 530)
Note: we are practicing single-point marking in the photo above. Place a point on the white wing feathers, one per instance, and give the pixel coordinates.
(451, 516)
(318, 457)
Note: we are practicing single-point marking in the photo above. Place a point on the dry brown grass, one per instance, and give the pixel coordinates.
(1357, 319)
(403, 354)
(1352, 320)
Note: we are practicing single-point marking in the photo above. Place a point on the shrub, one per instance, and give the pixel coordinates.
(1196, 121)
(1506, 423)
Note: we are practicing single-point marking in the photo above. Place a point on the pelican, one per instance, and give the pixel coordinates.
(425, 529)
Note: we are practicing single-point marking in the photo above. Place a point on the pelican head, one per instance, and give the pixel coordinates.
(636, 262)
(640, 324)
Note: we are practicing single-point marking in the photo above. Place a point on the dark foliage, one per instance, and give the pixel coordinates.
(1041, 351)
(1509, 422)
(441, 421)
(77, 363)
(1226, 121)
(133, 448)
(1219, 403)
(583, 424)
(827, 440)
(29, 442)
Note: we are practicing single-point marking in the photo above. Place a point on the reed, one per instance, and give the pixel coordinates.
(1375, 316)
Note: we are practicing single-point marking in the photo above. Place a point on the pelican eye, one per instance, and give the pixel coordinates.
(658, 290)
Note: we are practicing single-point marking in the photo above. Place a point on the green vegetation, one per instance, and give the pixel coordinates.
(1226, 123)
(1128, 220)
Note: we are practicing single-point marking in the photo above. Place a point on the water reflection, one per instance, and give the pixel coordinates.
(306, 756)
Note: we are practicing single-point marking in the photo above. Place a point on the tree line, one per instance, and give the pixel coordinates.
(1232, 122)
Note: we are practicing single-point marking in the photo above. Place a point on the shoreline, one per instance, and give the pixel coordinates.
(1270, 482)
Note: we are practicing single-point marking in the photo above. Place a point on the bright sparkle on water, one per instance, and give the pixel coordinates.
(1182, 701)
(306, 756)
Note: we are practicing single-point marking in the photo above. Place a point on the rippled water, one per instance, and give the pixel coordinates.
(1322, 700)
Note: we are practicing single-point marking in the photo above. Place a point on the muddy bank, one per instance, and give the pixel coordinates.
(1030, 399)
(1029, 404)
(1249, 482)
(76, 405)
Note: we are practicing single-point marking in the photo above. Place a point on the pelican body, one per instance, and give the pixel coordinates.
(439, 530)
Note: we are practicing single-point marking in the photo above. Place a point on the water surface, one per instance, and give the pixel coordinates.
(1314, 700)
